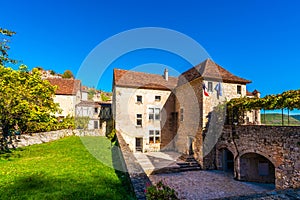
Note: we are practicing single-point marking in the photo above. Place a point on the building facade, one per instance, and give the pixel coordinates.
(159, 112)
(67, 95)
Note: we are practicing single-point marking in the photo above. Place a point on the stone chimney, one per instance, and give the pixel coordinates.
(166, 74)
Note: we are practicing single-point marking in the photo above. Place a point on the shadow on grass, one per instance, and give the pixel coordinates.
(121, 170)
(41, 186)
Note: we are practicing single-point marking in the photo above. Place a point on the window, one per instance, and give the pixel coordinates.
(154, 136)
(157, 98)
(157, 113)
(96, 110)
(154, 114)
(139, 119)
(181, 114)
(139, 99)
(210, 87)
(96, 125)
(239, 89)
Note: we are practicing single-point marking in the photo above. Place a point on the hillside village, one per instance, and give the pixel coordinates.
(76, 100)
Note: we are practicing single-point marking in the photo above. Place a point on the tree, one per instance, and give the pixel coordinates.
(91, 93)
(25, 98)
(68, 74)
(4, 35)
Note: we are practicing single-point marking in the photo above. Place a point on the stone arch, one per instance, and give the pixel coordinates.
(225, 158)
(256, 167)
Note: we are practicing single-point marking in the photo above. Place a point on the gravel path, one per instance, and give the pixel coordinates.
(196, 185)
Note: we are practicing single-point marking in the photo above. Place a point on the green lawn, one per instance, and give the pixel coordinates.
(276, 119)
(63, 169)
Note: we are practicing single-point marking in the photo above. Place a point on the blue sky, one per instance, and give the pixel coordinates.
(255, 39)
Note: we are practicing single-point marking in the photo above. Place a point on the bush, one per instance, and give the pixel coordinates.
(52, 125)
(160, 191)
(112, 135)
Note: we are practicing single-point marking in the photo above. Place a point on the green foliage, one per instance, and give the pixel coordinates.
(63, 169)
(4, 34)
(160, 191)
(25, 99)
(287, 100)
(82, 122)
(104, 97)
(91, 93)
(52, 72)
(68, 74)
(111, 135)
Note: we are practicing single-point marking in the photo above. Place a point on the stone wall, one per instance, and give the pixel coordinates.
(39, 138)
(126, 108)
(138, 177)
(280, 145)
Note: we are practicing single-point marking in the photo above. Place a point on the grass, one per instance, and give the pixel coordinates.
(276, 119)
(65, 169)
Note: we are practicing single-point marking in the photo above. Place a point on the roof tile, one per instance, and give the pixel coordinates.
(65, 86)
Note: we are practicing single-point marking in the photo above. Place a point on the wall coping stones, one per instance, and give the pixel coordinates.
(138, 177)
(43, 137)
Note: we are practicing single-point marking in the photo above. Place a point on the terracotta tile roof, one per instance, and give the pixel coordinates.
(125, 78)
(254, 93)
(210, 70)
(88, 104)
(65, 86)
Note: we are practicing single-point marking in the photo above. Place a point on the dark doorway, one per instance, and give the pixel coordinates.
(138, 144)
(190, 145)
(256, 168)
(227, 160)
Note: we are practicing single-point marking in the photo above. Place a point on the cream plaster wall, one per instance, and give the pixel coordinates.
(126, 108)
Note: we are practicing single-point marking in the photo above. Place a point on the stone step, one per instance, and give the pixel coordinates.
(188, 165)
(190, 169)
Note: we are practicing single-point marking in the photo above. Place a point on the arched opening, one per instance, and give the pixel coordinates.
(226, 160)
(256, 168)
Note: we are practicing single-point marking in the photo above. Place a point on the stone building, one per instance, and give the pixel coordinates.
(159, 112)
(67, 95)
(91, 110)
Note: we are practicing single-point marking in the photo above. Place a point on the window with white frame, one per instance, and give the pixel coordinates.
(157, 98)
(139, 120)
(239, 89)
(154, 136)
(139, 99)
(154, 114)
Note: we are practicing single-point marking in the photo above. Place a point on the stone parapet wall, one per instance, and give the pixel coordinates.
(39, 138)
(278, 144)
(138, 177)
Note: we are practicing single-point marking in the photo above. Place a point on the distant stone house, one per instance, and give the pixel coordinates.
(89, 109)
(67, 95)
(159, 112)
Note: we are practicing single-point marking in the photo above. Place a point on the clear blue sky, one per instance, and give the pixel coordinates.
(255, 39)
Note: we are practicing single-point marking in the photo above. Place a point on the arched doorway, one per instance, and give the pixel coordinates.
(226, 160)
(256, 168)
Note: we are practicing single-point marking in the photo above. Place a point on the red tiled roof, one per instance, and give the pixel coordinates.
(88, 104)
(125, 78)
(254, 93)
(210, 70)
(65, 86)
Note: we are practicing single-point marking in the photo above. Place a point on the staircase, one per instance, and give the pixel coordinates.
(187, 163)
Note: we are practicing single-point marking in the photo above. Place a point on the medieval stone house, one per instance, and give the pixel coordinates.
(154, 112)
(67, 95)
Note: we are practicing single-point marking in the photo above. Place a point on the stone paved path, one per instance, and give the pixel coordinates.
(196, 185)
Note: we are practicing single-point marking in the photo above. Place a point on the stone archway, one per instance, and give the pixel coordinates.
(256, 168)
(225, 160)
